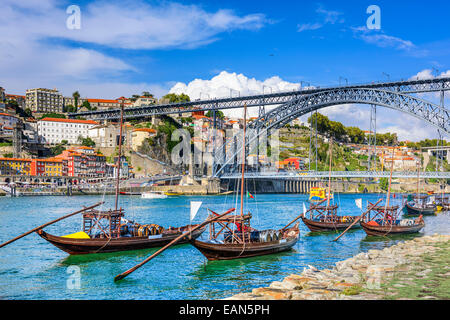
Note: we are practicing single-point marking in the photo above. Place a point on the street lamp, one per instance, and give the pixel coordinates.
(346, 80)
(264, 86)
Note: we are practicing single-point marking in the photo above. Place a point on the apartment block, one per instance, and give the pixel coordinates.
(55, 130)
(44, 100)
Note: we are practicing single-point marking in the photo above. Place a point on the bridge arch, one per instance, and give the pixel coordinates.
(431, 113)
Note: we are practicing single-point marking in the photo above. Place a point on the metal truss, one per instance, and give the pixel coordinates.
(413, 86)
(336, 174)
(279, 117)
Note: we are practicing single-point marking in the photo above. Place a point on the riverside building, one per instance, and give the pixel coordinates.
(55, 130)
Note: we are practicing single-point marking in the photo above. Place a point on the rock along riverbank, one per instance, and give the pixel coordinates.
(414, 269)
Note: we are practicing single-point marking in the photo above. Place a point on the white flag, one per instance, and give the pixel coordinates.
(195, 205)
(304, 208)
(359, 203)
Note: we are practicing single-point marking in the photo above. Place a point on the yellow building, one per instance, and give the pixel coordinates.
(53, 167)
(139, 135)
(15, 166)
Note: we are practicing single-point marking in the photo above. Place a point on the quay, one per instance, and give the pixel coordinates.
(413, 269)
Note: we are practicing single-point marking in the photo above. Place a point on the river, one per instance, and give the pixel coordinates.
(32, 268)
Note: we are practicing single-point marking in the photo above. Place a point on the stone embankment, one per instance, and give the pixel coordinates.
(414, 269)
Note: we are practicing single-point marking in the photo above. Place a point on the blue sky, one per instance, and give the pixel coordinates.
(124, 47)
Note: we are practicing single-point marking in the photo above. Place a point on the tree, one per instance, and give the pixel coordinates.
(323, 123)
(147, 94)
(87, 142)
(28, 112)
(87, 105)
(384, 184)
(53, 115)
(355, 134)
(134, 97)
(175, 98)
(76, 96)
(219, 114)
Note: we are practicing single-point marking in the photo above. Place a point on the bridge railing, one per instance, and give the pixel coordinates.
(337, 174)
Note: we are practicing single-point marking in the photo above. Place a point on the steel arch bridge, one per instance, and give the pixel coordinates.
(406, 87)
(431, 113)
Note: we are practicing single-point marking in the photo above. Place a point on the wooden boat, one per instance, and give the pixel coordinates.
(173, 193)
(417, 210)
(232, 237)
(384, 220)
(325, 218)
(153, 195)
(124, 193)
(109, 231)
(75, 246)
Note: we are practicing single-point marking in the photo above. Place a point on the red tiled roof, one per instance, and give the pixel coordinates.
(69, 120)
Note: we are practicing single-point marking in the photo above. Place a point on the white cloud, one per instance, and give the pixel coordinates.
(406, 126)
(382, 40)
(227, 84)
(37, 49)
(327, 17)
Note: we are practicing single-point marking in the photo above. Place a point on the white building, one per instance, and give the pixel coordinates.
(144, 101)
(55, 130)
(104, 136)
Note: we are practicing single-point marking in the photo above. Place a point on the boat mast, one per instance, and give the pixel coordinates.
(390, 180)
(119, 158)
(243, 164)
(329, 173)
(242, 177)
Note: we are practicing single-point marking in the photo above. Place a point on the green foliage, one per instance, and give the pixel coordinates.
(6, 144)
(7, 155)
(355, 134)
(219, 114)
(384, 184)
(147, 94)
(58, 149)
(76, 95)
(53, 115)
(87, 142)
(28, 112)
(175, 98)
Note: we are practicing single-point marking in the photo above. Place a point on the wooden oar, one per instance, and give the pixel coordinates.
(208, 221)
(49, 223)
(357, 220)
(299, 216)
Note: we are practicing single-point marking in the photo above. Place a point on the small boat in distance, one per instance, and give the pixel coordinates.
(419, 204)
(153, 195)
(416, 205)
(325, 217)
(385, 220)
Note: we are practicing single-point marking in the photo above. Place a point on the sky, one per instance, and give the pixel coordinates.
(209, 47)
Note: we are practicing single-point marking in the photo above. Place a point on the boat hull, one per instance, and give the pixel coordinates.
(391, 230)
(413, 211)
(228, 251)
(104, 245)
(318, 226)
